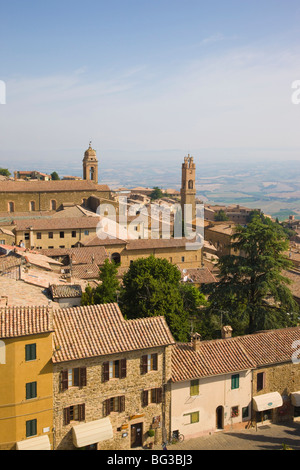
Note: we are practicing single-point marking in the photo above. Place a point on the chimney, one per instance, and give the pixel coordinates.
(226, 332)
(196, 341)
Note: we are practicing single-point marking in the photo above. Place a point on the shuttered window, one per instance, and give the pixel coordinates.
(115, 404)
(74, 413)
(30, 352)
(31, 390)
(235, 381)
(194, 388)
(73, 378)
(31, 428)
(114, 370)
(149, 362)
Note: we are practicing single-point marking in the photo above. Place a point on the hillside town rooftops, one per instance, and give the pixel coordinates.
(50, 186)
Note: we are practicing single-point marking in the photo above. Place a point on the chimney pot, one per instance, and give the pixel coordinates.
(226, 332)
(196, 341)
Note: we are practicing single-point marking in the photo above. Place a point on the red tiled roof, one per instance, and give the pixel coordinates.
(271, 346)
(214, 357)
(57, 223)
(142, 244)
(97, 330)
(24, 321)
(50, 186)
(80, 255)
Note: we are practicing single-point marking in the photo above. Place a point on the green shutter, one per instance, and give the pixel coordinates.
(30, 352)
(194, 388)
(235, 381)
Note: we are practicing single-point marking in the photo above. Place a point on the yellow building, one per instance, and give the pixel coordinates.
(26, 404)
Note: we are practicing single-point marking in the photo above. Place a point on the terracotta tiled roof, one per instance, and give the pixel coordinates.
(57, 223)
(144, 244)
(65, 291)
(80, 255)
(82, 332)
(200, 275)
(98, 241)
(294, 276)
(50, 186)
(24, 321)
(270, 347)
(214, 357)
(85, 271)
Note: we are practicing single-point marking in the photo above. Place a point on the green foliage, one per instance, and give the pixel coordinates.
(156, 193)
(252, 293)
(107, 291)
(152, 287)
(221, 216)
(4, 172)
(55, 176)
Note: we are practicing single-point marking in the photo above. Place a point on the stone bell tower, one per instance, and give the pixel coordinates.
(90, 165)
(188, 188)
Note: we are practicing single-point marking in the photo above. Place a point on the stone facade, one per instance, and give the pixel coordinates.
(96, 391)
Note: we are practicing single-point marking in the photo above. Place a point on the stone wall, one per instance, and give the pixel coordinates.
(96, 392)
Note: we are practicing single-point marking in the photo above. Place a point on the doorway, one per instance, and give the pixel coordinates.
(136, 435)
(220, 418)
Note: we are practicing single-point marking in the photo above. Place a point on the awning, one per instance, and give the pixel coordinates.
(90, 433)
(295, 398)
(35, 443)
(267, 401)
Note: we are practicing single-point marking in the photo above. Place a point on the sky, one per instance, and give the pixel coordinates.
(149, 80)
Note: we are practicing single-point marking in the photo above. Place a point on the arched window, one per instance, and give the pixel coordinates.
(32, 206)
(116, 258)
(53, 205)
(92, 171)
(11, 207)
(191, 184)
(2, 353)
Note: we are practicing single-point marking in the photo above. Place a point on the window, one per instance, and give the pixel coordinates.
(61, 234)
(50, 247)
(193, 417)
(182, 259)
(73, 378)
(115, 404)
(31, 428)
(32, 206)
(235, 381)
(114, 370)
(11, 207)
(39, 236)
(31, 390)
(2, 242)
(151, 396)
(30, 352)
(260, 381)
(73, 233)
(234, 411)
(194, 388)
(245, 412)
(148, 363)
(86, 232)
(2, 353)
(53, 205)
(74, 413)
(50, 234)
(27, 236)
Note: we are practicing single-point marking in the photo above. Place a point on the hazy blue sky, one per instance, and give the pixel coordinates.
(144, 78)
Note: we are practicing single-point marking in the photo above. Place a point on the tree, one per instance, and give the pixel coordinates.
(152, 287)
(55, 176)
(107, 291)
(253, 293)
(5, 172)
(221, 216)
(156, 193)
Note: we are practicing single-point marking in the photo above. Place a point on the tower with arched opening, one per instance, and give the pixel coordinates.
(90, 165)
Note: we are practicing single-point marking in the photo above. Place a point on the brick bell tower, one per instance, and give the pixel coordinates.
(188, 188)
(90, 165)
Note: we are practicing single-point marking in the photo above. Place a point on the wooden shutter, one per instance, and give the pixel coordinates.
(66, 416)
(64, 380)
(123, 368)
(144, 364)
(76, 379)
(122, 403)
(154, 361)
(106, 407)
(105, 371)
(145, 395)
(159, 395)
(82, 377)
(81, 412)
